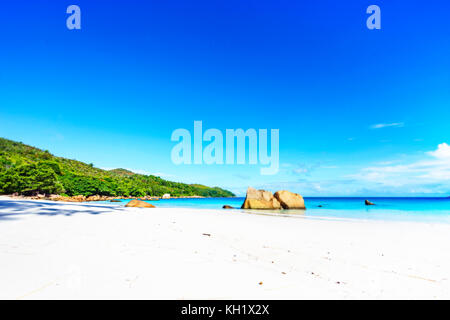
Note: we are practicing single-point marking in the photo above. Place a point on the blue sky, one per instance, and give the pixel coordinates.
(360, 112)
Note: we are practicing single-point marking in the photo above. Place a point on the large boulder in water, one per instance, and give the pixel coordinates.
(290, 200)
(368, 203)
(260, 199)
(139, 204)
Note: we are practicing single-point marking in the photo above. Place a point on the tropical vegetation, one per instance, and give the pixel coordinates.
(28, 171)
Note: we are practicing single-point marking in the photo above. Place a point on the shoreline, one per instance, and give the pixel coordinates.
(95, 198)
(100, 251)
(283, 213)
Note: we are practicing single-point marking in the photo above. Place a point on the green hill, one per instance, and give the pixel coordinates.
(27, 170)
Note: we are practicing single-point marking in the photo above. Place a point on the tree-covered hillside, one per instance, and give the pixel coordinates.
(27, 170)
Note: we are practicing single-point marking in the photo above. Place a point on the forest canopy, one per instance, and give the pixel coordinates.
(27, 170)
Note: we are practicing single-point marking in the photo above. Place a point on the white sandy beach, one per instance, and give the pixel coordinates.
(90, 251)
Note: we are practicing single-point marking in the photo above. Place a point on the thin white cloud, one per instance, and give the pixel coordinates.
(307, 169)
(433, 170)
(387, 125)
(300, 170)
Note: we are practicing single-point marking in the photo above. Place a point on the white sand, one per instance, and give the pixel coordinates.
(136, 253)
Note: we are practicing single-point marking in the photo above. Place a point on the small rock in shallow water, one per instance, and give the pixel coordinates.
(139, 204)
(368, 203)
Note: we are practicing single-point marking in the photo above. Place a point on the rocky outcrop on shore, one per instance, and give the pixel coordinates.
(262, 199)
(81, 198)
(78, 198)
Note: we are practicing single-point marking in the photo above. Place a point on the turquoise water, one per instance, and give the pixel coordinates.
(400, 209)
